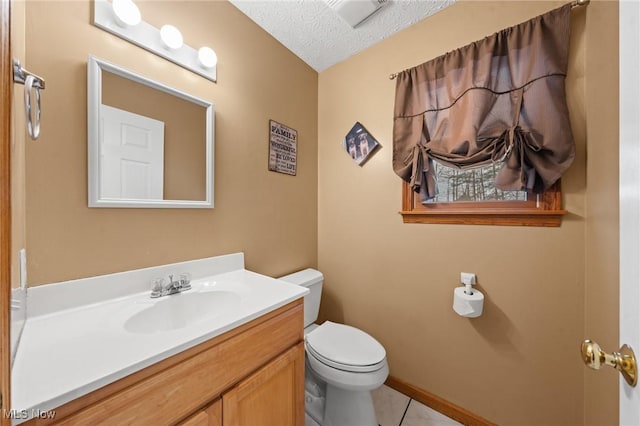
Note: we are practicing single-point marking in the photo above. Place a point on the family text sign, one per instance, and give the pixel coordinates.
(283, 148)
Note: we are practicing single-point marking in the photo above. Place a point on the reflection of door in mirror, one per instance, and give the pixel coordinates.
(131, 155)
(184, 171)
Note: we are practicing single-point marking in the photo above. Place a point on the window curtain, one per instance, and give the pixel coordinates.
(500, 99)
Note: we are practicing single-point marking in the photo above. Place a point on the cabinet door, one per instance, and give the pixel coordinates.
(273, 395)
(210, 416)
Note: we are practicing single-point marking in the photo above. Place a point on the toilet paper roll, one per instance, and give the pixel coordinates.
(467, 305)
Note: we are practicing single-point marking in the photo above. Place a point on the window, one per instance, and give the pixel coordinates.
(470, 197)
(477, 185)
(498, 99)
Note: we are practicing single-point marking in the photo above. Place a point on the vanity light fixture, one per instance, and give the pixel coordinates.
(126, 13)
(123, 19)
(207, 57)
(171, 37)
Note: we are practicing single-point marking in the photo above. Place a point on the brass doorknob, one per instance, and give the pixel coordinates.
(624, 360)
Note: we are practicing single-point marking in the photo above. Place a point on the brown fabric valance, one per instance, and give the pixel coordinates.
(498, 99)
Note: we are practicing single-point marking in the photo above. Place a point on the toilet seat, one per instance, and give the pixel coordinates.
(345, 348)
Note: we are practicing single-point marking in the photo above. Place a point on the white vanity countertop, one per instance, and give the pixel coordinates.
(68, 353)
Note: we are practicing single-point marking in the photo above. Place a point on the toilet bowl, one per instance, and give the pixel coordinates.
(343, 364)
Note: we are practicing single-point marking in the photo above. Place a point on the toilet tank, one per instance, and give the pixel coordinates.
(311, 279)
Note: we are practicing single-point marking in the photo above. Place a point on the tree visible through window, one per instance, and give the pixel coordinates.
(477, 185)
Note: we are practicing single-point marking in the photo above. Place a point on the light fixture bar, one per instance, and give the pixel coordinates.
(148, 37)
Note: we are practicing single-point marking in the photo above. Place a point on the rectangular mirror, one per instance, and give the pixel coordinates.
(150, 145)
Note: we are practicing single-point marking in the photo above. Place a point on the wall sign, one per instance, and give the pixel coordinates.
(283, 148)
(359, 144)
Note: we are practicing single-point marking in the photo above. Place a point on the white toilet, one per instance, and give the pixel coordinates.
(344, 364)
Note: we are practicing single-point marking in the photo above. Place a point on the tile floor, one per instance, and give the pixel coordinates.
(396, 409)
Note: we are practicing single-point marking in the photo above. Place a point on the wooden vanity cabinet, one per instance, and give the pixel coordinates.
(267, 398)
(209, 416)
(250, 376)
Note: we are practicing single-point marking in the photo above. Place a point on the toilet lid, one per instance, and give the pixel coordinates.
(345, 347)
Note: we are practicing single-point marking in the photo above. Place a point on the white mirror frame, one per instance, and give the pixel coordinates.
(95, 67)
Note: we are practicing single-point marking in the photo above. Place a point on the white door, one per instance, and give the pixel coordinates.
(630, 198)
(131, 155)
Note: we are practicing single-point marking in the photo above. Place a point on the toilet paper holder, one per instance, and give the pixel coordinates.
(467, 302)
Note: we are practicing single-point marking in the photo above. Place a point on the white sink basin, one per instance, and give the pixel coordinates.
(181, 310)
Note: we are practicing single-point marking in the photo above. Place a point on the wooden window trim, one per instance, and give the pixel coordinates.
(548, 212)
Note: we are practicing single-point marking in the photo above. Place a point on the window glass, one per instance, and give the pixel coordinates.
(472, 185)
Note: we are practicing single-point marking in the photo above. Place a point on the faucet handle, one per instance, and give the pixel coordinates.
(185, 279)
(157, 287)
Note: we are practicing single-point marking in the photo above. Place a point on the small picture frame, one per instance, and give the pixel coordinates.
(283, 148)
(359, 144)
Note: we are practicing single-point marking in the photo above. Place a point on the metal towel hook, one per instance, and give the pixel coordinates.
(32, 85)
(33, 114)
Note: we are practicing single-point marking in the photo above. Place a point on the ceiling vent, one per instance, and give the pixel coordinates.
(355, 11)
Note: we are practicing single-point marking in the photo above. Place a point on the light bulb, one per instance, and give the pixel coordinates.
(171, 37)
(207, 57)
(126, 13)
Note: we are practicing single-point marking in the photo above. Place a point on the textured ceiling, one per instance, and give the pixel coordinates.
(321, 38)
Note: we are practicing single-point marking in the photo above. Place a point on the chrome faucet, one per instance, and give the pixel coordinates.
(162, 288)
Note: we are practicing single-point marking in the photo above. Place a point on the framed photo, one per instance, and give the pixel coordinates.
(283, 148)
(359, 144)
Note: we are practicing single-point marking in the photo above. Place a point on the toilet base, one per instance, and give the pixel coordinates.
(348, 408)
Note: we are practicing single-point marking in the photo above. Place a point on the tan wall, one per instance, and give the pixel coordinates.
(602, 238)
(519, 363)
(271, 217)
(184, 133)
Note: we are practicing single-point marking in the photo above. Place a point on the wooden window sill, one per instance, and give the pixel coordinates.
(545, 212)
(506, 217)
